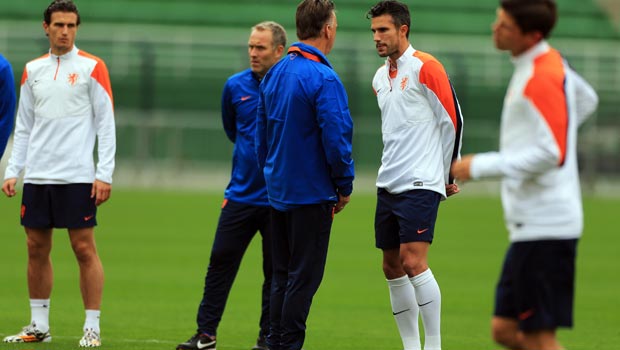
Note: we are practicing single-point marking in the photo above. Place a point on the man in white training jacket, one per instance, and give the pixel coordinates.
(65, 105)
(545, 103)
(421, 127)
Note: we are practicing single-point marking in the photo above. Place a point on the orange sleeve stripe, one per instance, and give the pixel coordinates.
(100, 73)
(546, 91)
(433, 75)
(24, 76)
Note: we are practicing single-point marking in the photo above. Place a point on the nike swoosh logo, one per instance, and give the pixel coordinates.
(245, 98)
(422, 231)
(86, 218)
(420, 305)
(201, 345)
(399, 312)
(525, 315)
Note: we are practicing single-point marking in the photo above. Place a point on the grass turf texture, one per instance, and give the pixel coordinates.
(155, 248)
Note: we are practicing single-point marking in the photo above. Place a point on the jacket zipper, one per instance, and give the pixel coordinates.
(57, 67)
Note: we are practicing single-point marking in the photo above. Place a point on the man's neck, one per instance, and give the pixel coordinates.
(319, 44)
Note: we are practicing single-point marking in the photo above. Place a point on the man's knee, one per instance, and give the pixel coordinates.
(506, 332)
(392, 267)
(84, 251)
(38, 249)
(414, 265)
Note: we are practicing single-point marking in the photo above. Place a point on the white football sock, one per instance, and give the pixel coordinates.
(40, 314)
(92, 320)
(429, 300)
(405, 310)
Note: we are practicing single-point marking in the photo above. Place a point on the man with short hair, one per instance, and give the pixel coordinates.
(303, 143)
(545, 103)
(421, 127)
(246, 208)
(65, 106)
(7, 102)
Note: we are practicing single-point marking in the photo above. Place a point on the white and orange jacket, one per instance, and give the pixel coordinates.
(421, 123)
(65, 105)
(545, 103)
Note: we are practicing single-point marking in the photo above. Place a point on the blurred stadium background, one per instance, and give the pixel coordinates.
(168, 62)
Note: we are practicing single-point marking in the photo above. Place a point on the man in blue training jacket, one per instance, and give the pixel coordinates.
(7, 102)
(246, 208)
(303, 143)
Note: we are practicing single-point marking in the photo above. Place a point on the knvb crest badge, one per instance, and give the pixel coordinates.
(72, 78)
(404, 83)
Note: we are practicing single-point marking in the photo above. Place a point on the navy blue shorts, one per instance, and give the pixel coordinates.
(537, 284)
(405, 217)
(58, 206)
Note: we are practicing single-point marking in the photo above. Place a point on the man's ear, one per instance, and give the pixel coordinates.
(533, 37)
(279, 50)
(403, 29)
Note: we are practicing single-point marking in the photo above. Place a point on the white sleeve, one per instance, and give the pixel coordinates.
(103, 109)
(539, 156)
(23, 127)
(586, 99)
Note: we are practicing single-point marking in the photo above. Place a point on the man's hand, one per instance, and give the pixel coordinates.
(461, 169)
(8, 187)
(342, 202)
(452, 189)
(101, 192)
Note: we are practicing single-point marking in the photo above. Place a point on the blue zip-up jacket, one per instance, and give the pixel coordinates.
(239, 101)
(304, 131)
(7, 102)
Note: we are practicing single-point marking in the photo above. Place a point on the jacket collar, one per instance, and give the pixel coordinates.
(403, 58)
(309, 52)
(66, 56)
(531, 53)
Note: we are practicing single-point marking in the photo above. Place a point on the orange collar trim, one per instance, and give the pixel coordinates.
(307, 55)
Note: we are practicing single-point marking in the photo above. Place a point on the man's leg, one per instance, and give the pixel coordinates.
(402, 298)
(417, 212)
(541, 340)
(38, 227)
(40, 275)
(265, 231)
(91, 270)
(428, 296)
(236, 227)
(535, 294)
(505, 331)
(91, 282)
(280, 257)
(309, 232)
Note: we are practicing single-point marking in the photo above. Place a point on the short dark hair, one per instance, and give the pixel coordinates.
(532, 15)
(311, 16)
(60, 6)
(398, 10)
(278, 34)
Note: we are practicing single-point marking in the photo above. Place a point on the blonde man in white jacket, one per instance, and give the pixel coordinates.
(545, 103)
(65, 106)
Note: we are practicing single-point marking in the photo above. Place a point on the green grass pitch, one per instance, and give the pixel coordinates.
(155, 248)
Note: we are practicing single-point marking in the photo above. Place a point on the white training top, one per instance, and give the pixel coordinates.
(421, 123)
(65, 104)
(545, 103)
